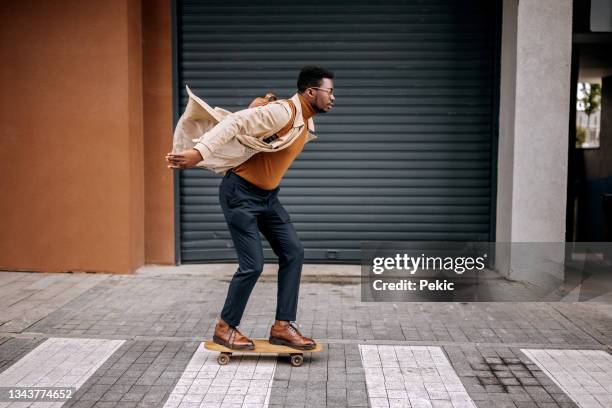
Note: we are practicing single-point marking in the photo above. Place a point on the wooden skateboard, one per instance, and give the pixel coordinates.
(262, 346)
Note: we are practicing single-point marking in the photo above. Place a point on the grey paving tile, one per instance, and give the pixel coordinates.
(13, 349)
(496, 374)
(121, 386)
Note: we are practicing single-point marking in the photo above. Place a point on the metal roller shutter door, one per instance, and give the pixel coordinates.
(406, 154)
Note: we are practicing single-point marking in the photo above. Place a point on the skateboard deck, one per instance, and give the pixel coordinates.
(262, 346)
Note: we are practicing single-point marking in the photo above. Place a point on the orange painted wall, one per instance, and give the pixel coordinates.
(71, 151)
(157, 80)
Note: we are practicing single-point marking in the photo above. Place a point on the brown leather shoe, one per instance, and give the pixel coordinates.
(287, 334)
(231, 337)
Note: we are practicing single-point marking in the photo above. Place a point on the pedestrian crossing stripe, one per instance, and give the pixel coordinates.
(405, 376)
(59, 362)
(584, 375)
(245, 382)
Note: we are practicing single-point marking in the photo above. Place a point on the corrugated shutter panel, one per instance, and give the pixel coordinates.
(406, 154)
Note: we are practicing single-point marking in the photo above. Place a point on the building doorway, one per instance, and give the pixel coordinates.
(589, 216)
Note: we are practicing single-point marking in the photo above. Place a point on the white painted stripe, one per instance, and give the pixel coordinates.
(411, 376)
(59, 362)
(584, 375)
(246, 381)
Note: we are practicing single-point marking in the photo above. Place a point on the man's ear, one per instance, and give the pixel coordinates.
(309, 93)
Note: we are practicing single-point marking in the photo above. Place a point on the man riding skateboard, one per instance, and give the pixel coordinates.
(249, 198)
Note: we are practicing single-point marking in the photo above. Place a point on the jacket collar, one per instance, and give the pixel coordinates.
(299, 118)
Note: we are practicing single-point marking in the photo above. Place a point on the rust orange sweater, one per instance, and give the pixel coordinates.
(265, 170)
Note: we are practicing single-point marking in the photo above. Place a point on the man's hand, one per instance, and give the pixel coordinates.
(183, 160)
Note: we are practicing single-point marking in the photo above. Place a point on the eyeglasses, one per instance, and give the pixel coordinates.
(330, 91)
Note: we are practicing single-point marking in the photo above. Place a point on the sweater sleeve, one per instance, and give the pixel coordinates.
(259, 122)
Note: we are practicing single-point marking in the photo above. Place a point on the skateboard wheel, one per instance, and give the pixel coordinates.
(223, 358)
(297, 360)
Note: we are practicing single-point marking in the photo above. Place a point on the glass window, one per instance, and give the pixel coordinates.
(588, 115)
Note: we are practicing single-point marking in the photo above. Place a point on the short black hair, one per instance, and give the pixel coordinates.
(311, 76)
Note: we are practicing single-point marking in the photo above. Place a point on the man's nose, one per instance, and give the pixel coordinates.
(332, 97)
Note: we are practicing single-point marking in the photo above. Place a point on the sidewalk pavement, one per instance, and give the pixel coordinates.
(135, 340)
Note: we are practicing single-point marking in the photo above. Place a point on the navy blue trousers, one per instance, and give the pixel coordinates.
(249, 210)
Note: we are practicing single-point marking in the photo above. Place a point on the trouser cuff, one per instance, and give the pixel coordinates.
(287, 318)
(229, 321)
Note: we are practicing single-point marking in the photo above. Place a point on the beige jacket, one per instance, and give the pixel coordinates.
(226, 140)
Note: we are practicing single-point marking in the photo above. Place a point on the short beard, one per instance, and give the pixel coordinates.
(317, 109)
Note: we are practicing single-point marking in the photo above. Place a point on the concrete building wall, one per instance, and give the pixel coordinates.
(505, 148)
(535, 97)
(541, 120)
(534, 113)
(72, 156)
